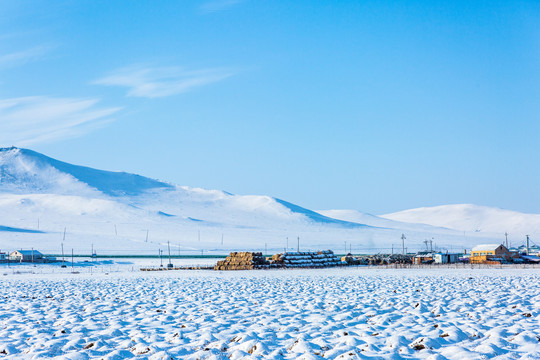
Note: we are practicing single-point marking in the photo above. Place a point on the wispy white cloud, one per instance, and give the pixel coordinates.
(218, 5)
(30, 120)
(23, 56)
(153, 82)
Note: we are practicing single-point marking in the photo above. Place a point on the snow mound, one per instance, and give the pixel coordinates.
(28, 171)
(473, 218)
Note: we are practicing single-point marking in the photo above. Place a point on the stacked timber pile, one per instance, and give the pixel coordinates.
(306, 259)
(242, 261)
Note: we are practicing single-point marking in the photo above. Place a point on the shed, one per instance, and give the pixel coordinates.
(447, 258)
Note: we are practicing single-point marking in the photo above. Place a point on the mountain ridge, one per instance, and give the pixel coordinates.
(117, 210)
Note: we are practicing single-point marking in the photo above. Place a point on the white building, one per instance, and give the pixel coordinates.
(25, 255)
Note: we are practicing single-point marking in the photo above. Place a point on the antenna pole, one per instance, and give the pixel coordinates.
(298, 244)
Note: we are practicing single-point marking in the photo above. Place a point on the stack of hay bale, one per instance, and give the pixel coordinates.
(306, 259)
(351, 260)
(242, 261)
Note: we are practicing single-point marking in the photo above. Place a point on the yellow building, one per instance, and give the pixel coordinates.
(487, 253)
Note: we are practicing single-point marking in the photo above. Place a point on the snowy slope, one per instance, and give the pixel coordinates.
(41, 196)
(474, 219)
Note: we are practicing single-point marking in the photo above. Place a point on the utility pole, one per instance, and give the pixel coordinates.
(169, 265)
(72, 270)
(527, 244)
(431, 244)
(63, 264)
(146, 235)
(115, 231)
(33, 256)
(298, 244)
(506, 236)
(287, 246)
(403, 243)
(345, 248)
(392, 249)
(426, 242)
(160, 259)
(222, 239)
(265, 249)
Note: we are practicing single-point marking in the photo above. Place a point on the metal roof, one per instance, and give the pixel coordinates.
(29, 252)
(486, 247)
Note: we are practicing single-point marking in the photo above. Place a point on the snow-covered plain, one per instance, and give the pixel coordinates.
(344, 313)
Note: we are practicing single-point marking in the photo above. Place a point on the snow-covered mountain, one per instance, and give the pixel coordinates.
(125, 213)
(470, 218)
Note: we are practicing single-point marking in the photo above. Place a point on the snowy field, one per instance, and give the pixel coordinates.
(346, 313)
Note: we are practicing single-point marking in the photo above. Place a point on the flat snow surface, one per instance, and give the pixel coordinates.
(346, 313)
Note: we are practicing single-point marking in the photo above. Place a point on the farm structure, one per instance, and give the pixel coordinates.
(427, 257)
(490, 254)
(26, 256)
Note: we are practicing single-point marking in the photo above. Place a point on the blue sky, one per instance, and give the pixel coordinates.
(377, 106)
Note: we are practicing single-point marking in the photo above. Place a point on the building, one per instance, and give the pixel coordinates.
(440, 258)
(26, 255)
(428, 257)
(3, 256)
(489, 253)
(423, 257)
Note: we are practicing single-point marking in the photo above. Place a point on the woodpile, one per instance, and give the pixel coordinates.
(243, 261)
(324, 258)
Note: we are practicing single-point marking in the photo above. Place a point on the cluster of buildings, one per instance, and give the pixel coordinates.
(482, 254)
(24, 256)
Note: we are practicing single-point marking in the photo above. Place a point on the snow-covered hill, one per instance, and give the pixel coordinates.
(471, 219)
(126, 213)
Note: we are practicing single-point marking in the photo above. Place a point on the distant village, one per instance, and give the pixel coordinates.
(491, 254)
